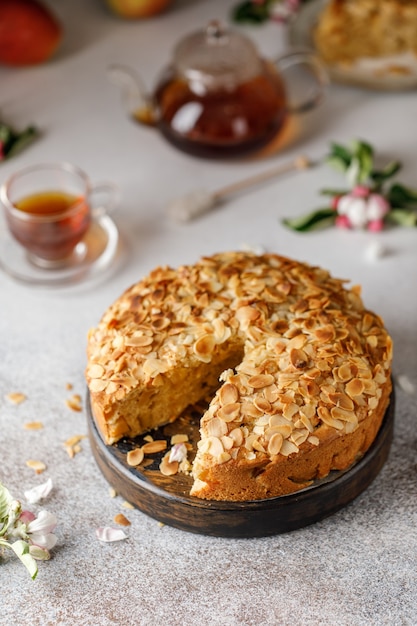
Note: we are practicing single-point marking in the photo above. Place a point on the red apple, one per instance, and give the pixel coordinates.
(134, 9)
(29, 32)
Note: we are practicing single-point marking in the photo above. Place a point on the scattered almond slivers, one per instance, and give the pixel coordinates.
(178, 439)
(154, 446)
(127, 505)
(121, 519)
(33, 426)
(74, 402)
(37, 466)
(166, 468)
(72, 445)
(135, 457)
(16, 397)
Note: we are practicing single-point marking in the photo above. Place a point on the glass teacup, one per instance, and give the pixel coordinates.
(49, 208)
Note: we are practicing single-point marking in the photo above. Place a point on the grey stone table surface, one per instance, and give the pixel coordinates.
(355, 568)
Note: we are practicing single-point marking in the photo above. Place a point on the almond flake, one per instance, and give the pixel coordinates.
(33, 425)
(121, 519)
(37, 466)
(154, 446)
(16, 397)
(135, 457)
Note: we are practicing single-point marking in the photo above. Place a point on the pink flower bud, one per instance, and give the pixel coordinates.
(342, 221)
(375, 226)
(334, 202)
(27, 516)
(360, 191)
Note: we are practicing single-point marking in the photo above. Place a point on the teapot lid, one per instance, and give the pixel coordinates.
(216, 58)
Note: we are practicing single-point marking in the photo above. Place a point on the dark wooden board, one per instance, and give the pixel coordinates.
(167, 499)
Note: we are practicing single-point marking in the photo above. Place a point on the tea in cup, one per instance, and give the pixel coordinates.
(49, 208)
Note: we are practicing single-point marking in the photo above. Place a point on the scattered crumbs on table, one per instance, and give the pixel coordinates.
(15, 397)
(37, 466)
(33, 426)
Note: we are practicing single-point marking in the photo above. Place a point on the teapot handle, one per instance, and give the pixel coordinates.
(136, 100)
(305, 80)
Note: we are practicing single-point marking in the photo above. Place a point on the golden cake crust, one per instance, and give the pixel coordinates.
(348, 30)
(304, 370)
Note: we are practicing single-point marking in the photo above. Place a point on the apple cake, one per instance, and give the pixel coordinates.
(298, 371)
(348, 30)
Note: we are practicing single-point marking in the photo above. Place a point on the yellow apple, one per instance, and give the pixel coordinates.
(136, 9)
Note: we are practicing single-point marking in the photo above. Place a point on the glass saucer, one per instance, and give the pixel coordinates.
(94, 254)
(390, 73)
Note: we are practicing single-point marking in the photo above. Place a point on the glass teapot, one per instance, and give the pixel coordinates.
(218, 97)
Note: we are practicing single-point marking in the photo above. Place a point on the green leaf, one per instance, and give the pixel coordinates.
(364, 154)
(334, 192)
(380, 176)
(21, 549)
(251, 12)
(340, 153)
(400, 196)
(402, 217)
(5, 501)
(21, 141)
(317, 219)
(337, 162)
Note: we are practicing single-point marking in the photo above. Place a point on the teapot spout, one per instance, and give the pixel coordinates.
(137, 102)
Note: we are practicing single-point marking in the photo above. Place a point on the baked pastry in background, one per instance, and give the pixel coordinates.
(299, 372)
(348, 30)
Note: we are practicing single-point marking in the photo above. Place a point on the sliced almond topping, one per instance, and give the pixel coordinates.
(345, 416)
(325, 334)
(263, 404)
(216, 427)
(341, 400)
(355, 387)
(214, 446)
(96, 385)
(203, 348)
(229, 412)
(96, 370)
(275, 444)
(324, 415)
(288, 447)
(298, 358)
(260, 380)
(135, 457)
(237, 436)
(228, 394)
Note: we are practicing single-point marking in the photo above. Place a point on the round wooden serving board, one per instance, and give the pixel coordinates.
(167, 499)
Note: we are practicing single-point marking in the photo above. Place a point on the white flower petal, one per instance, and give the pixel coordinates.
(356, 212)
(44, 523)
(39, 492)
(178, 453)
(376, 207)
(108, 534)
(47, 541)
